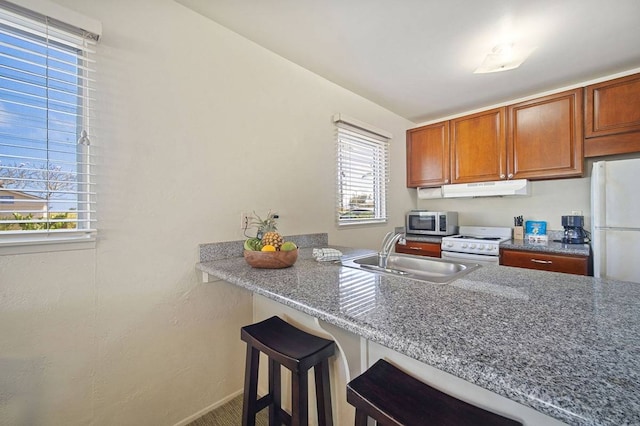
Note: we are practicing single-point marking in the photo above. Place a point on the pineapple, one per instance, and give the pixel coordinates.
(272, 238)
(267, 230)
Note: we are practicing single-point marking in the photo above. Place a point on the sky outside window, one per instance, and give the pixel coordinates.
(39, 121)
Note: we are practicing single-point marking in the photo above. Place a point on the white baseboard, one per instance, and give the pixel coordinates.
(208, 409)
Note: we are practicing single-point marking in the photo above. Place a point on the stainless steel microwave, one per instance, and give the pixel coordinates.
(424, 222)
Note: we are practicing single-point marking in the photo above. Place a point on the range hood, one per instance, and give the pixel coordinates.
(499, 188)
(486, 189)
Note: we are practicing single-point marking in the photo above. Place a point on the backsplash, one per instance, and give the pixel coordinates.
(228, 249)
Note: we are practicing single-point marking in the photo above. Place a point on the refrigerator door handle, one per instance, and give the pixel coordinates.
(598, 186)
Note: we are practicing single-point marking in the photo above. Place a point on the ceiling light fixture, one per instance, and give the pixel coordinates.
(503, 57)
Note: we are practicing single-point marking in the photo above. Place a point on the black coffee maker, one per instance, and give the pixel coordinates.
(574, 232)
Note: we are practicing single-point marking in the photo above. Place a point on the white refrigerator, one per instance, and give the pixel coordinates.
(615, 211)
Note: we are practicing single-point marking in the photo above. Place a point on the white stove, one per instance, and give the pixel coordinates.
(479, 244)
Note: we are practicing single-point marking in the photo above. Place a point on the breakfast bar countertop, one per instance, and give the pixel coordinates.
(565, 345)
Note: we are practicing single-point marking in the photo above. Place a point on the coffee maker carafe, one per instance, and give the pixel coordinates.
(574, 232)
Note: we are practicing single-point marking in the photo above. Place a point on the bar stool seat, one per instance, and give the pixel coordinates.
(296, 350)
(392, 397)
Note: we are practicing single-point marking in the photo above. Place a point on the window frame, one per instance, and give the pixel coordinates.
(79, 42)
(360, 138)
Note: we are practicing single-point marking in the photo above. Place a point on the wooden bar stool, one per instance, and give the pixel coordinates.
(392, 397)
(287, 346)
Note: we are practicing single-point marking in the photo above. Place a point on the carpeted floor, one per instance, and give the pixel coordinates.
(230, 414)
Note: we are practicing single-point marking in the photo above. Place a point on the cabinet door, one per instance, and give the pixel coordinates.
(428, 155)
(419, 248)
(544, 138)
(545, 262)
(478, 147)
(612, 116)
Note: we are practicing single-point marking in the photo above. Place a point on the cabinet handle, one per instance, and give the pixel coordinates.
(510, 175)
(502, 176)
(546, 262)
(414, 248)
(446, 181)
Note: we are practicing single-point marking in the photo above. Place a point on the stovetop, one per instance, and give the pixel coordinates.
(482, 233)
(477, 240)
(474, 237)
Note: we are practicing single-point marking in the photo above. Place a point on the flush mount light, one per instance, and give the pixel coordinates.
(504, 57)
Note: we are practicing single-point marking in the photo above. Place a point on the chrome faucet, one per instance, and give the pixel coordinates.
(388, 243)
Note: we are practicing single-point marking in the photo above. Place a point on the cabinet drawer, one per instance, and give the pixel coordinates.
(545, 262)
(419, 248)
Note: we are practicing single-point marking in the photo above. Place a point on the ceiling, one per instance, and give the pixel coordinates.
(417, 57)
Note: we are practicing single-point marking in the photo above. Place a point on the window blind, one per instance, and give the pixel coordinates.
(362, 175)
(47, 76)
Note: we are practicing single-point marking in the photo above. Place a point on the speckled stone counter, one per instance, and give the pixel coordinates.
(553, 246)
(550, 247)
(424, 238)
(565, 345)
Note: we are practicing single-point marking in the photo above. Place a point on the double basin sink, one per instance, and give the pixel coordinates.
(415, 267)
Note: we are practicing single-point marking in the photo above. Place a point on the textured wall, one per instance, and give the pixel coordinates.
(196, 125)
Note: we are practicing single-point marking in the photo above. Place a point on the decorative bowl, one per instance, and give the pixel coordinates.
(271, 259)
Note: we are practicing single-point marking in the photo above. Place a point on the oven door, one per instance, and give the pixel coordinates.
(469, 257)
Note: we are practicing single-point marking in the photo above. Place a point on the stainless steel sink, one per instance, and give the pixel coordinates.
(415, 267)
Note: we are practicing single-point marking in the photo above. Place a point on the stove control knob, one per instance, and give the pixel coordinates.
(472, 246)
(449, 244)
(464, 245)
(480, 246)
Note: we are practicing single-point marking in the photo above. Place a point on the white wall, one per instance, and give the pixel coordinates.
(196, 125)
(548, 200)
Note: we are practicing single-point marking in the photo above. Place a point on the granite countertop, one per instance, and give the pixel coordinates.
(551, 246)
(424, 238)
(565, 345)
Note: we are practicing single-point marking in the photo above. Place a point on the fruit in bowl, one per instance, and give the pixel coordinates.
(269, 256)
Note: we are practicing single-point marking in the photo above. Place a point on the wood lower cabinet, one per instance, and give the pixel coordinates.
(419, 248)
(612, 117)
(545, 261)
(478, 147)
(544, 139)
(428, 155)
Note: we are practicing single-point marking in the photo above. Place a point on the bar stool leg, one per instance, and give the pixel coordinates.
(275, 392)
(299, 398)
(251, 387)
(361, 418)
(323, 393)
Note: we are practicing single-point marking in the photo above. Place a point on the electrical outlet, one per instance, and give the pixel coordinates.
(245, 219)
(576, 212)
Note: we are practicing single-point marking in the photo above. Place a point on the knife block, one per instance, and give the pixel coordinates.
(518, 232)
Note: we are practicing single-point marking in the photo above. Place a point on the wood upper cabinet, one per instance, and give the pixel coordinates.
(544, 138)
(612, 117)
(428, 155)
(478, 148)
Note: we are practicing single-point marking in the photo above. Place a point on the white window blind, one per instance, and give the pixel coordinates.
(362, 174)
(46, 98)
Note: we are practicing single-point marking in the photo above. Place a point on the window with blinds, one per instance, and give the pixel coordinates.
(46, 93)
(362, 174)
